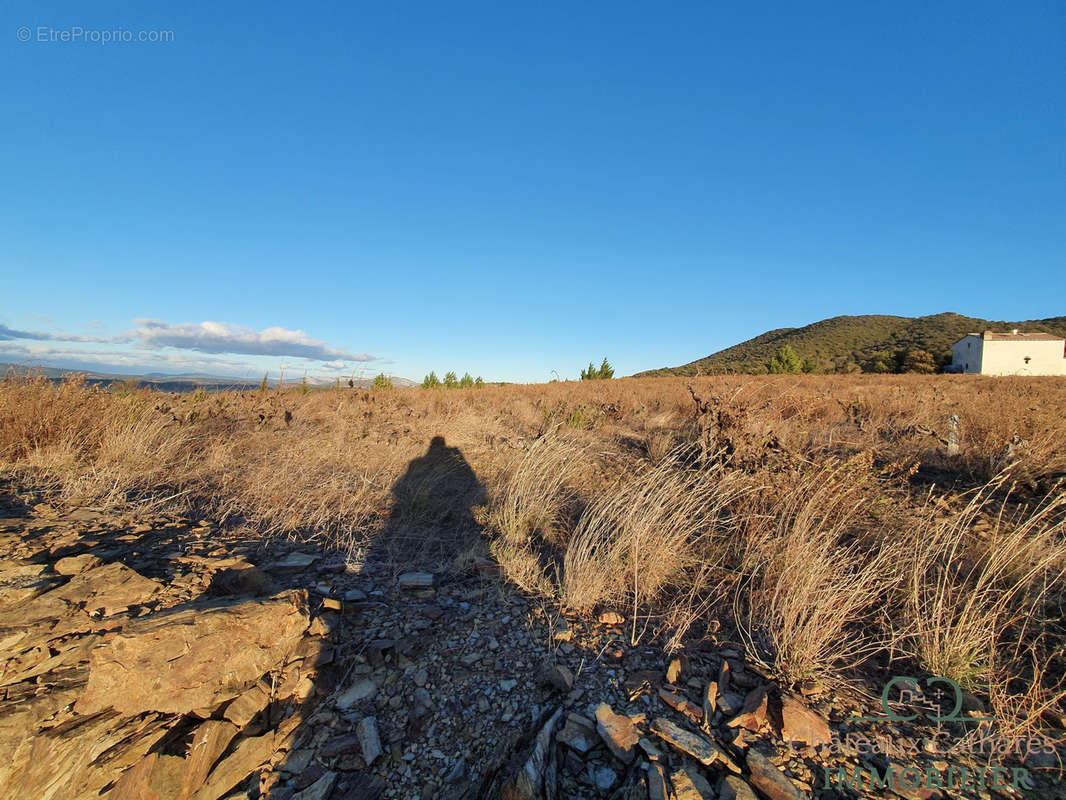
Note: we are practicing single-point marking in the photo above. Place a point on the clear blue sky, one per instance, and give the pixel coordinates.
(512, 190)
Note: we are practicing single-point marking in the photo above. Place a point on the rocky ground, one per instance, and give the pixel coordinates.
(156, 656)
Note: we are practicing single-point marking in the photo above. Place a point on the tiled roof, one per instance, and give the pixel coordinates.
(991, 336)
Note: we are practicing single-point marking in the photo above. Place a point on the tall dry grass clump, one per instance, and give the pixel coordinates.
(537, 495)
(815, 573)
(531, 511)
(37, 415)
(634, 538)
(136, 455)
(981, 589)
(315, 487)
(91, 446)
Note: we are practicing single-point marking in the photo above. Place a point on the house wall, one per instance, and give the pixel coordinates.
(1009, 358)
(966, 353)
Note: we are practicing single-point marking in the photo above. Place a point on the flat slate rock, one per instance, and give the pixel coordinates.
(730, 787)
(618, 733)
(296, 560)
(107, 590)
(195, 658)
(769, 780)
(704, 751)
(416, 580)
(690, 785)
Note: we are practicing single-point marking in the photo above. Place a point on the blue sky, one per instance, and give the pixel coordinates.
(346, 188)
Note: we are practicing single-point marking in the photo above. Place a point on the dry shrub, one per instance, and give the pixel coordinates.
(90, 446)
(535, 500)
(976, 605)
(284, 486)
(531, 511)
(632, 539)
(659, 444)
(37, 414)
(1027, 691)
(814, 575)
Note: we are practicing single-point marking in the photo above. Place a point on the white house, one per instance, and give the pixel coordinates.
(1012, 353)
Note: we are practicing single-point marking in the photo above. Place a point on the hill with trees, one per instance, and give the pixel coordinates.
(866, 343)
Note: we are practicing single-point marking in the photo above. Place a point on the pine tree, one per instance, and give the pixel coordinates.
(606, 371)
(431, 381)
(450, 381)
(786, 362)
(263, 384)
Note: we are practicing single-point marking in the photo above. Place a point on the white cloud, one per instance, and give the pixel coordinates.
(207, 337)
(221, 337)
(7, 333)
(108, 360)
(10, 333)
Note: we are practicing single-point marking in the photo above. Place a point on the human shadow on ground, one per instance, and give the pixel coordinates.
(393, 641)
(431, 519)
(369, 643)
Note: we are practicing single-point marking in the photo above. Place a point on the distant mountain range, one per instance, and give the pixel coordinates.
(843, 344)
(184, 382)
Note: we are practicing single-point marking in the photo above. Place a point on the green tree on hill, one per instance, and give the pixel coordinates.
(919, 361)
(881, 362)
(431, 381)
(786, 362)
(605, 372)
(382, 381)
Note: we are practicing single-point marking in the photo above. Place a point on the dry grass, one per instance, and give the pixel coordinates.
(532, 510)
(537, 498)
(978, 591)
(823, 522)
(815, 576)
(635, 538)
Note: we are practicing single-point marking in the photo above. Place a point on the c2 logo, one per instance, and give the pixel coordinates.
(910, 691)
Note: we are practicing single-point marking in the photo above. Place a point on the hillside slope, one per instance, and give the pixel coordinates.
(844, 343)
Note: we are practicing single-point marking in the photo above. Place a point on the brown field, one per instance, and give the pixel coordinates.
(834, 526)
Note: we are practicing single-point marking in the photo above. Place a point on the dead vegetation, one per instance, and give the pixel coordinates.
(836, 526)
